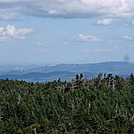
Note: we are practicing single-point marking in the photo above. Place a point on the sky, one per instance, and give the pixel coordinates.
(66, 31)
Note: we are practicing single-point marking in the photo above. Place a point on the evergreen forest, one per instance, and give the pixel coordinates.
(101, 105)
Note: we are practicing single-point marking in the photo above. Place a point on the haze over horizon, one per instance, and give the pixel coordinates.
(66, 31)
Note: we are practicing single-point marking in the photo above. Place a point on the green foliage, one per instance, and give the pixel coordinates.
(101, 105)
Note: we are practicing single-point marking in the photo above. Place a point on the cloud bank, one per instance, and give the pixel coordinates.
(10, 33)
(13, 9)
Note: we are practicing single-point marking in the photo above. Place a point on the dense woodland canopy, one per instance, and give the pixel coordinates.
(102, 105)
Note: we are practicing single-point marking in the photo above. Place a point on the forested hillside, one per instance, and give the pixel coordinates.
(102, 105)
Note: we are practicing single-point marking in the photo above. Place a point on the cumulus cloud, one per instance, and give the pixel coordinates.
(127, 37)
(67, 8)
(82, 37)
(104, 21)
(10, 33)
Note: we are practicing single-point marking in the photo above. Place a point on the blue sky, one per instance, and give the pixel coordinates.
(66, 31)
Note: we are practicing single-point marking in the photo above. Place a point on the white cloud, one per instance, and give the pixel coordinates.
(133, 22)
(40, 44)
(127, 37)
(130, 46)
(82, 37)
(104, 21)
(65, 43)
(66, 8)
(9, 16)
(10, 33)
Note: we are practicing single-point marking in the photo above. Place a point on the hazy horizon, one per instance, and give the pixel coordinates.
(54, 63)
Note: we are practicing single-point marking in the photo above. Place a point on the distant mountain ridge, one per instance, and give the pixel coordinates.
(68, 71)
(92, 67)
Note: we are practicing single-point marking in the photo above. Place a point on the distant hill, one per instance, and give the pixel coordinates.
(68, 71)
(41, 77)
(106, 67)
